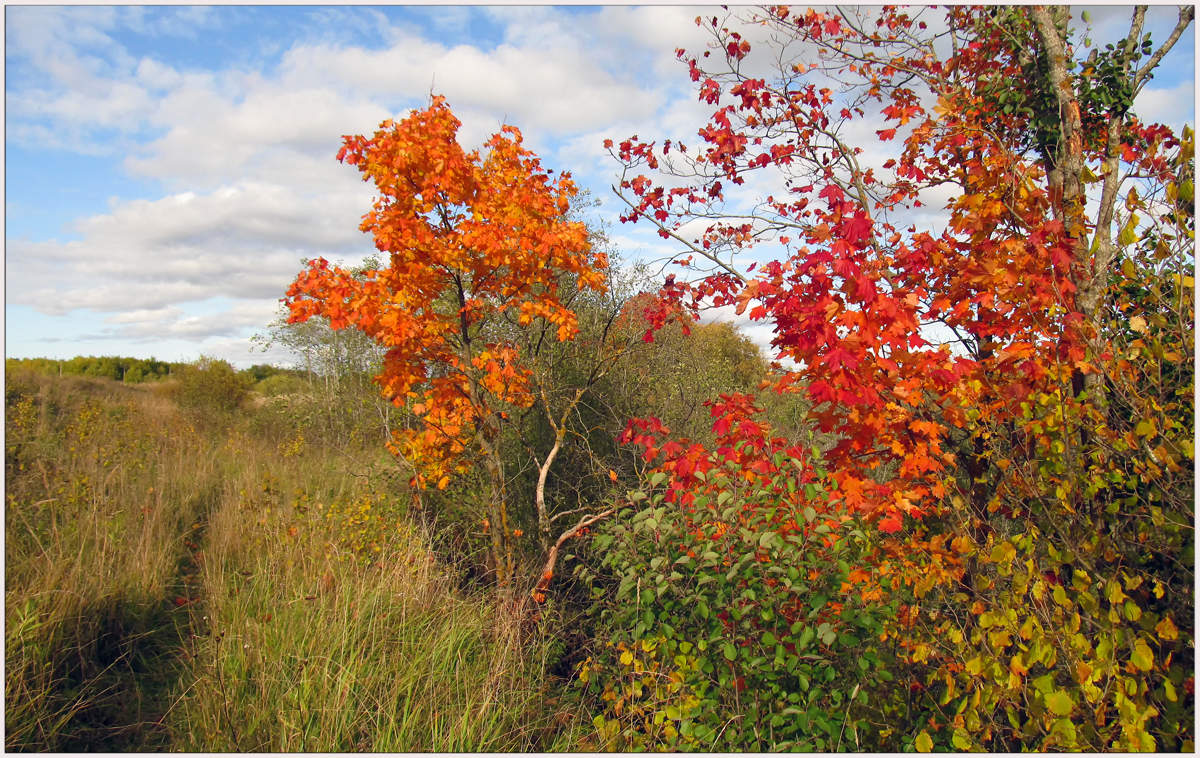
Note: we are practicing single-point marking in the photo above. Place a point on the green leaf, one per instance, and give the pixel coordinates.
(729, 651)
(806, 637)
(1064, 729)
(1044, 683)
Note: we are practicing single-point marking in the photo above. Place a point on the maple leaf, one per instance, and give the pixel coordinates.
(891, 522)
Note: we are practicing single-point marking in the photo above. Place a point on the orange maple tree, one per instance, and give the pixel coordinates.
(472, 240)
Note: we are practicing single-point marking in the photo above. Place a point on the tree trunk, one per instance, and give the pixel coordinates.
(501, 537)
(539, 494)
(1065, 177)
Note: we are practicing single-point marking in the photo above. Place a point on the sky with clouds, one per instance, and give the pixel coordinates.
(168, 168)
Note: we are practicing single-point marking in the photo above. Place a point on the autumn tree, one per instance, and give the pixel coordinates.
(470, 239)
(963, 374)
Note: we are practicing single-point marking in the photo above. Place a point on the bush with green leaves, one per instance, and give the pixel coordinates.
(211, 385)
(730, 616)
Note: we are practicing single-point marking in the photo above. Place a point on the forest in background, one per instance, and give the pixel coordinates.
(518, 498)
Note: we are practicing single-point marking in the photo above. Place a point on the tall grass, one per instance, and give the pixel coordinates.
(238, 584)
(101, 483)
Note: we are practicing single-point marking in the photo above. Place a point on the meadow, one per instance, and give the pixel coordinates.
(202, 578)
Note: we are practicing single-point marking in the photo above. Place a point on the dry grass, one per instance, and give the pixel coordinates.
(235, 586)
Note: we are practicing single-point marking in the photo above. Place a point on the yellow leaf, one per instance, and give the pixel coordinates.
(1170, 689)
(1003, 553)
(923, 743)
(626, 658)
(1018, 667)
(1166, 629)
(1143, 657)
(1128, 234)
(1059, 703)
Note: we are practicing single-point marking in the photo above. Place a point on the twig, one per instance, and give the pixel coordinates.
(552, 557)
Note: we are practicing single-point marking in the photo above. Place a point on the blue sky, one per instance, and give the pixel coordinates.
(167, 168)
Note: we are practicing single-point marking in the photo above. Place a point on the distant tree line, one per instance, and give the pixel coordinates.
(130, 370)
(117, 368)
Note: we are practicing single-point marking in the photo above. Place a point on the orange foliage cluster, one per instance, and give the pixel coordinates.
(469, 238)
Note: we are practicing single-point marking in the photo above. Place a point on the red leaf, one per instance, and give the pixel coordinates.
(891, 523)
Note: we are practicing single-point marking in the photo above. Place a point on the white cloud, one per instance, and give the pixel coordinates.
(183, 21)
(172, 322)
(1172, 106)
(240, 241)
(548, 87)
(156, 75)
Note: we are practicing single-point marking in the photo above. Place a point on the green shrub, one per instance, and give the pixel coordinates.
(735, 623)
(211, 385)
(281, 384)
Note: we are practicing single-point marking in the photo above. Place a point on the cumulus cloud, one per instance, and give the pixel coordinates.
(1172, 106)
(245, 241)
(172, 322)
(554, 88)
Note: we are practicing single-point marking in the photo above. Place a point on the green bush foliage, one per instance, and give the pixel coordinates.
(209, 386)
(728, 611)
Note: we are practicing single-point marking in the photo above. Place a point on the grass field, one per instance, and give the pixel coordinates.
(207, 581)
